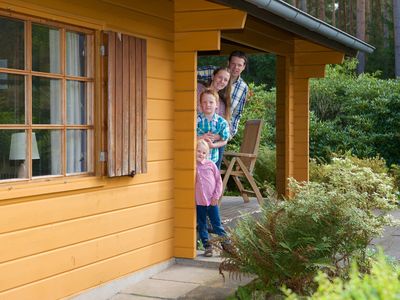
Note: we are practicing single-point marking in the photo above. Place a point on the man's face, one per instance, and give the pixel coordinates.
(236, 65)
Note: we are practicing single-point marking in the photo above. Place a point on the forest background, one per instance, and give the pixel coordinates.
(355, 109)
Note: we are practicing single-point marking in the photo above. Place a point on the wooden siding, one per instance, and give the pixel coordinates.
(292, 115)
(198, 27)
(63, 236)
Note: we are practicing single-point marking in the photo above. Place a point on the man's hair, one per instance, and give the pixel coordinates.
(203, 143)
(209, 92)
(239, 54)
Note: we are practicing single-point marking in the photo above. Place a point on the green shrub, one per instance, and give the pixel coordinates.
(354, 113)
(261, 104)
(382, 283)
(395, 171)
(324, 226)
(265, 168)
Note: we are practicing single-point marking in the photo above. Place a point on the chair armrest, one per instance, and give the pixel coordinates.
(240, 154)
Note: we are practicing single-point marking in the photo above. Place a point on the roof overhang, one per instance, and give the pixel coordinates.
(291, 19)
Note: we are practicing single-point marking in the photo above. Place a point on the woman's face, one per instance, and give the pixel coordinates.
(220, 80)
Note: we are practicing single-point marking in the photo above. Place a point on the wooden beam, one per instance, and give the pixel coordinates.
(316, 71)
(197, 41)
(259, 41)
(269, 30)
(318, 58)
(185, 5)
(209, 20)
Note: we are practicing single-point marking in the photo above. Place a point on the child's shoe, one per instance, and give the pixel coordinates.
(208, 252)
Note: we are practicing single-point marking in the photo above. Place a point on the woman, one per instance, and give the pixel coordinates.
(221, 83)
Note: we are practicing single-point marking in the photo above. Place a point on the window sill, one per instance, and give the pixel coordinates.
(13, 190)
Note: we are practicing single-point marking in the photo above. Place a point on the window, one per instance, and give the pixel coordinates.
(46, 99)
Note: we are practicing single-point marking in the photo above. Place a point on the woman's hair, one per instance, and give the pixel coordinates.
(210, 92)
(225, 93)
(203, 143)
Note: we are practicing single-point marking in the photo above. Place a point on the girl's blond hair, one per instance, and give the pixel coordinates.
(201, 142)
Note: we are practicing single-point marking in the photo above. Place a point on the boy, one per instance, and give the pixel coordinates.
(211, 127)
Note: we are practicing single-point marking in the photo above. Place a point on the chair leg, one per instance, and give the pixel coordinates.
(241, 189)
(250, 178)
(226, 176)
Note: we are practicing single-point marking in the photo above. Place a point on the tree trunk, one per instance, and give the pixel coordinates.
(351, 19)
(333, 20)
(396, 21)
(303, 5)
(360, 33)
(367, 18)
(385, 18)
(321, 10)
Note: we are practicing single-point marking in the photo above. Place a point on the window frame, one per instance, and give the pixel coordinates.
(28, 74)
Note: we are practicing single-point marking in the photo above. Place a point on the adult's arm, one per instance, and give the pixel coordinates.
(205, 73)
(237, 112)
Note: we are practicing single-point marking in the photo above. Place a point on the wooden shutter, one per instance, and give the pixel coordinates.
(127, 130)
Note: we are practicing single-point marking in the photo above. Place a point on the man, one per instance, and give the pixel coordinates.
(237, 63)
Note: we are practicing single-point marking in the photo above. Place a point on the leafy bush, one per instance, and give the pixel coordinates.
(382, 283)
(324, 226)
(265, 169)
(260, 105)
(354, 113)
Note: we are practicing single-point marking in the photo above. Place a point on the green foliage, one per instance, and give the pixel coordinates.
(265, 169)
(353, 113)
(324, 226)
(260, 69)
(261, 104)
(382, 283)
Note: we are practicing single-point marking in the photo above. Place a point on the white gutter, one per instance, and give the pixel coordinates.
(292, 14)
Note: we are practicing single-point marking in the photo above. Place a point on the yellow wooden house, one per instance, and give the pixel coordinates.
(97, 119)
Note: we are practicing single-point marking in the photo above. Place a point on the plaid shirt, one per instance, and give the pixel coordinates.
(238, 95)
(217, 125)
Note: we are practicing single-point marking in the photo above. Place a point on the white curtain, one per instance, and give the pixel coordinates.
(76, 144)
(55, 102)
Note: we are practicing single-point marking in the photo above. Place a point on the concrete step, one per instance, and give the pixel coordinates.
(201, 261)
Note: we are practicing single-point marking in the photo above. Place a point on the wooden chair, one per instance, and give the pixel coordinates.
(241, 165)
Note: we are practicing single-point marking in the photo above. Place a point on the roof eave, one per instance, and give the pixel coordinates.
(287, 17)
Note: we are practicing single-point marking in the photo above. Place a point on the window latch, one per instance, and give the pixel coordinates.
(103, 156)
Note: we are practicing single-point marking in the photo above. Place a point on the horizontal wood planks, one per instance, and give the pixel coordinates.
(79, 279)
(63, 236)
(198, 27)
(293, 74)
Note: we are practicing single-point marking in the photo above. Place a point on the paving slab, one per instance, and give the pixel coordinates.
(164, 289)
(190, 274)
(131, 297)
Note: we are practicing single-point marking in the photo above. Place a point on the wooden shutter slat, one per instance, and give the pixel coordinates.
(127, 96)
(138, 116)
(111, 106)
(143, 60)
(118, 105)
(132, 104)
(125, 106)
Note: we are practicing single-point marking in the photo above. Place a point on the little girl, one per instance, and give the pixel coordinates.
(208, 191)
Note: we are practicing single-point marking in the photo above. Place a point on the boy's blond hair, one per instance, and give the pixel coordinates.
(210, 92)
(203, 143)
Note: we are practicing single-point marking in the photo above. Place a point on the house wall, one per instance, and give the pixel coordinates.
(61, 237)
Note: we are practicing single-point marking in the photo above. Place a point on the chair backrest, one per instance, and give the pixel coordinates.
(251, 142)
